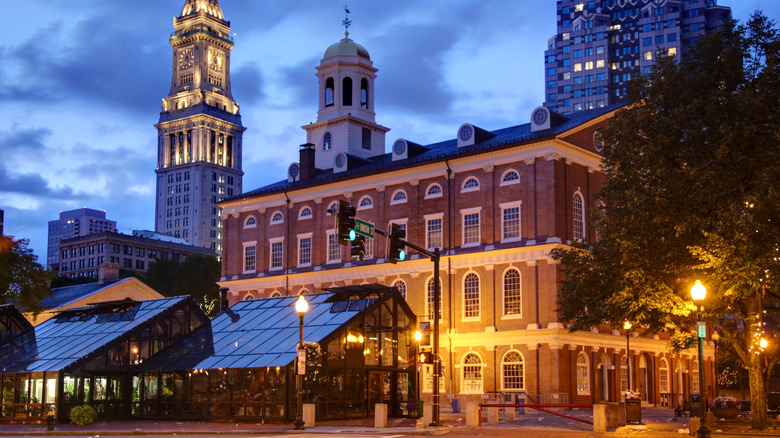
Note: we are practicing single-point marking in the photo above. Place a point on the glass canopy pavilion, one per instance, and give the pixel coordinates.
(165, 359)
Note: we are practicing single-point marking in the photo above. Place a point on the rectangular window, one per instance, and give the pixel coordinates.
(250, 257)
(139, 265)
(471, 228)
(277, 250)
(434, 233)
(578, 67)
(334, 249)
(304, 251)
(366, 139)
(511, 223)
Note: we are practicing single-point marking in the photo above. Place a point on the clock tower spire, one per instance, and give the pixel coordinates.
(199, 130)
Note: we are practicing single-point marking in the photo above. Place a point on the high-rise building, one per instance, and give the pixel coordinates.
(199, 131)
(602, 45)
(74, 223)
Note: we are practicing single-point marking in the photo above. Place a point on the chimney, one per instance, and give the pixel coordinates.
(224, 304)
(108, 272)
(307, 161)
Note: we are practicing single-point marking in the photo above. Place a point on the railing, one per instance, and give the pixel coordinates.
(539, 407)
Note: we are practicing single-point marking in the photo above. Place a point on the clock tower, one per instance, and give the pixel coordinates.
(199, 133)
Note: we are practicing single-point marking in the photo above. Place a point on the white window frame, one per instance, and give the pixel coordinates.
(520, 377)
(394, 201)
(429, 195)
(301, 238)
(432, 217)
(583, 373)
(303, 210)
(663, 376)
(505, 315)
(466, 212)
(403, 289)
(331, 234)
(464, 189)
(252, 225)
(271, 243)
(510, 182)
(470, 386)
(578, 217)
(277, 221)
(506, 206)
(246, 245)
(369, 203)
(275, 294)
(478, 297)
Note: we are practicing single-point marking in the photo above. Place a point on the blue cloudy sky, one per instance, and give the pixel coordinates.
(81, 83)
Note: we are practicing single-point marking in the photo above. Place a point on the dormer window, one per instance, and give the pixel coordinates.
(329, 92)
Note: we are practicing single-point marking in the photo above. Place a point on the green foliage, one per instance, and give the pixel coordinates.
(23, 281)
(83, 415)
(197, 276)
(692, 192)
(681, 341)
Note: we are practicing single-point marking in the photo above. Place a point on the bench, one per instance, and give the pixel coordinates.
(683, 410)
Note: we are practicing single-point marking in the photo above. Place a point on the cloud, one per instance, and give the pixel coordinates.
(30, 184)
(247, 82)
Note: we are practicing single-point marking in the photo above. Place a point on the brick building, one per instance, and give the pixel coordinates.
(494, 202)
(83, 256)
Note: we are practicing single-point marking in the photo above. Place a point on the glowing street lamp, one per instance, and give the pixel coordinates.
(698, 293)
(301, 306)
(627, 327)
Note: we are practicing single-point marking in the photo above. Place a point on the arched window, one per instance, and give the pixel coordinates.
(401, 286)
(512, 297)
(304, 291)
(329, 89)
(431, 291)
(433, 191)
(365, 202)
(471, 296)
(695, 376)
(334, 207)
(326, 142)
(399, 197)
(583, 373)
(663, 375)
(472, 374)
(364, 93)
(579, 217)
(346, 92)
(470, 185)
(275, 294)
(305, 213)
(250, 222)
(510, 177)
(248, 297)
(277, 218)
(513, 371)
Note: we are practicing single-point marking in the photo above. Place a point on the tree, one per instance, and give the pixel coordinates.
(692, 172)
(196, 276)
(23, 281)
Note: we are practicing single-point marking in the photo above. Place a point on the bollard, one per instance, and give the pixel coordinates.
(472, 414)
(599, 418)
(510, 414)
(50, 420)
(380, 415)
(308, 414)
(695, 423)
(621, 413)
(427, 414)
(612, 415)
(492, 415)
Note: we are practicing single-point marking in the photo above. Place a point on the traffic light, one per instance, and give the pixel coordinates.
(425, 357)
(358, 249)
(345, 222)
(397, 245)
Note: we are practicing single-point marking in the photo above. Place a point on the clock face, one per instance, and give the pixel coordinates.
(185, 59)
(399, 147)
(540, 116)
(215, 61)
(466, 132)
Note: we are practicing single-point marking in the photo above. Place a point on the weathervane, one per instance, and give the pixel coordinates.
(346, 22)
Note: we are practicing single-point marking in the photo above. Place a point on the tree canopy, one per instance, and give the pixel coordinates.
(23, 281)
(692, 189)
(197, 276)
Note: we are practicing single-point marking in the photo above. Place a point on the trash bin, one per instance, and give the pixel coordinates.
(633, 410)
(695, 404)
(455, 406)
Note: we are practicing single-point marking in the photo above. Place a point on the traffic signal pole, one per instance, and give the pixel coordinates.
(434, 256)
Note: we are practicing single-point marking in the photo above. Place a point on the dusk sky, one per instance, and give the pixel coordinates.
(82, 81)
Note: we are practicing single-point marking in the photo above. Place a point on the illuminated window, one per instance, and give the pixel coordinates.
(471, 296)
(512, 293)
(513, 371)
(578, 66)
(583, 373)
(579, 217)
(472, 374)
(672, 51)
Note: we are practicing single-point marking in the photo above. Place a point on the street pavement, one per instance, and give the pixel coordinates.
(656, 422)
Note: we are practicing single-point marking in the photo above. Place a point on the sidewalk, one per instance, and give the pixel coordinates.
(656, 422)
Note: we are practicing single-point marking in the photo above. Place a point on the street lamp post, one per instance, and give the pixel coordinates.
(698, 292)
(715, 339)
(418, 338)
(301, 306)
(627, 326)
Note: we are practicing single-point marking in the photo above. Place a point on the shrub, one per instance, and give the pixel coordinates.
(725, 402)
(83, 415)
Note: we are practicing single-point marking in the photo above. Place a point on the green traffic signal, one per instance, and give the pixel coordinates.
(401, 255)
(352, 235)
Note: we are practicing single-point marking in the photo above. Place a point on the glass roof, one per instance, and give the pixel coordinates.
(75, 333)
(264, 332)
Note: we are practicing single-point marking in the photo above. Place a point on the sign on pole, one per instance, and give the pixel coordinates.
(702, 329)
(364, 228)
